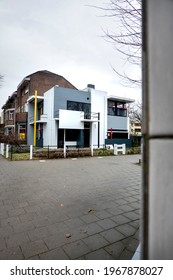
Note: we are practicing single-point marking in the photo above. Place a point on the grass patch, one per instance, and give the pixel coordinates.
(103, 152)
(133, 151)
(20, 156)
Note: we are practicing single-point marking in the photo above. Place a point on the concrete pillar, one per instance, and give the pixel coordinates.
(157, 221)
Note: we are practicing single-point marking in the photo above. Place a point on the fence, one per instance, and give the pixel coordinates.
(24, 152)
(70, 150)
(119, 148)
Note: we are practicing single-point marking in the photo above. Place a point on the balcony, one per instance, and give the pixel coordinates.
(84, 117)
(40, 119)
(89, 117)
(21, 117)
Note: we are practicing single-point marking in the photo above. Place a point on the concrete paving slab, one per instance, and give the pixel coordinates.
(100, 254)
(33, 248)
(56, 254)
(40, 202)
(95, 242)
(76, 249)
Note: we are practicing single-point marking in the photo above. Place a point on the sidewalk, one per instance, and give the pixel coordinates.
(86, 208)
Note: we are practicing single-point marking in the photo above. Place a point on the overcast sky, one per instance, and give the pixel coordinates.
(62, 36)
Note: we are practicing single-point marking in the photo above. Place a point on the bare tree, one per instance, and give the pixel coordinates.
(127, 39)
(135, 112)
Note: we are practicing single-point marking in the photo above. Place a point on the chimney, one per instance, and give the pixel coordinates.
(91, 86)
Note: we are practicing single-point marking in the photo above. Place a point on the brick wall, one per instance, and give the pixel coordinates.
(42, 82)
(9, 122)
(21, 117)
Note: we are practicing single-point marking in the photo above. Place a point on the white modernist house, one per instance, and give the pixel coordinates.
(77, 118)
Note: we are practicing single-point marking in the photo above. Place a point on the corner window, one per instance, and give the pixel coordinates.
(117, 108)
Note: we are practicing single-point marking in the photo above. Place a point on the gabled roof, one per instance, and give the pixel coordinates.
(10, 99)
(44, 72)
(27, 78)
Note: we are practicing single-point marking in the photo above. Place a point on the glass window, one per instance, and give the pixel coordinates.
(22, 131)
(117, 108)
(111, 103)
(9, 131)
(10, 115)
(80, 106)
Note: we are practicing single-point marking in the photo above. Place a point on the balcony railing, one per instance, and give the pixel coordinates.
(83, 116)
(41, 118)
(90, 116)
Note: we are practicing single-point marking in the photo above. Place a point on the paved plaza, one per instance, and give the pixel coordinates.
(85, 208)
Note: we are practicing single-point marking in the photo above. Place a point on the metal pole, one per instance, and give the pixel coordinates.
(98, 130)
(64, 144)
(11, 152)
(35, 117)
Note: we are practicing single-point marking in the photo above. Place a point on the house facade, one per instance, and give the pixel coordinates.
(135, 128)
(68, 115)
(64, 113)
(15, 109)
(118, 119)
(9, 114)
(80, 118)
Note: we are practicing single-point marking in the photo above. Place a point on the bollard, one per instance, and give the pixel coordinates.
(31, 152)
(2, 149)
(92, 150)
(7, 150)
(48, 152)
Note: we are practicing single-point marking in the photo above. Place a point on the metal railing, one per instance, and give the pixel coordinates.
(40, 117)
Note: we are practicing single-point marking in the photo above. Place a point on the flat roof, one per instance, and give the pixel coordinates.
(32, 98)
(121, 99)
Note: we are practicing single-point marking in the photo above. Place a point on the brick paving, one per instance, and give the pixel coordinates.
(95, 200)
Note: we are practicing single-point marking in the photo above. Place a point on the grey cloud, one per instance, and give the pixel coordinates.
(60, 36)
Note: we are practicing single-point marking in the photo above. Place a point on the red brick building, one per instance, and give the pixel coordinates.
(15, 108)
(9, 114)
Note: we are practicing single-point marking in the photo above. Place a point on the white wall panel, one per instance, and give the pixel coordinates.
(71, 119)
